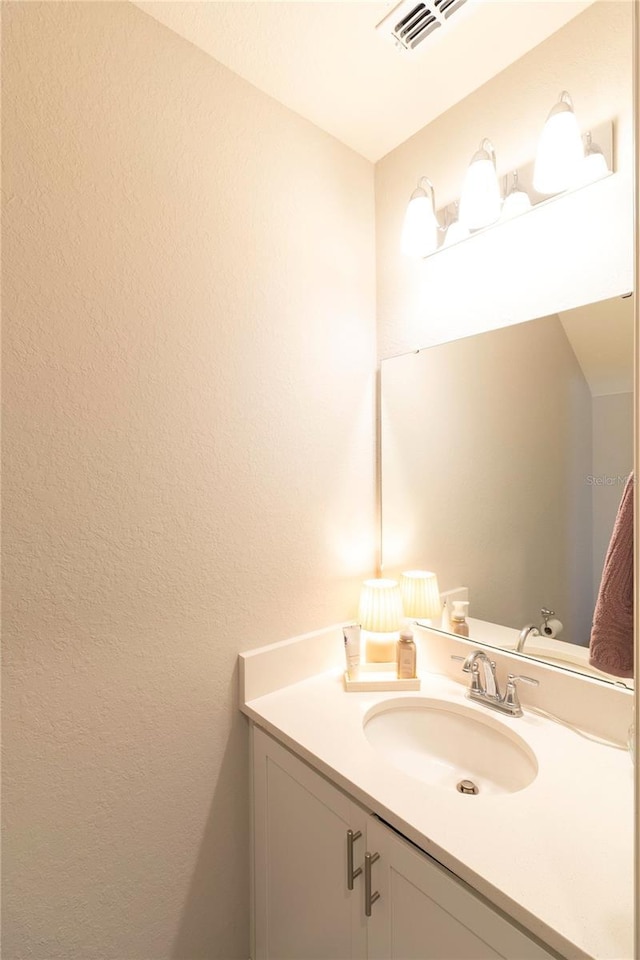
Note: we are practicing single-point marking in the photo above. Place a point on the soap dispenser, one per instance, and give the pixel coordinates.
(459, 623)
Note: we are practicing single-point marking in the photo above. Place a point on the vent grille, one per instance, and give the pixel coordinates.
(409, 23)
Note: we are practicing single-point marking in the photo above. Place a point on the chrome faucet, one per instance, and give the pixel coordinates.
(529, 631)
(484, 684)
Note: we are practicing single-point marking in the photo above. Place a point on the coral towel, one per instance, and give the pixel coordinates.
(611, 645)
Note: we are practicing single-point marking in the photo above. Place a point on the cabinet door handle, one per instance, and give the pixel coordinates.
(369, 898)
(351, 873)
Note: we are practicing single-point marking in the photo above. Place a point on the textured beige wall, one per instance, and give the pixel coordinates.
(189, 348)
(573, 251)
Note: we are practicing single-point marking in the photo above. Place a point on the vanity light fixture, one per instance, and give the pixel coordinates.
(516, 200)
(560, 150)
(380, 613)
(594, 166)
(562, 164)
(420, 595)
(420, 228)
(455, 230)
(480, 200)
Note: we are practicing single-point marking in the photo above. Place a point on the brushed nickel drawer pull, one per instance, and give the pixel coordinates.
(369, 898)
(351, 873)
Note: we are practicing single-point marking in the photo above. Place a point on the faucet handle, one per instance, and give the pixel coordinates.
(515, 676)
(473, 669)
(511, 698)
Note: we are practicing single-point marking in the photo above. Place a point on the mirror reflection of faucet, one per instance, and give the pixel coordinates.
(550, 627)
(530, 630)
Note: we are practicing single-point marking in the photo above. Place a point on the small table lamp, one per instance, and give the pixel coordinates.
(380, 614)
(420, 595)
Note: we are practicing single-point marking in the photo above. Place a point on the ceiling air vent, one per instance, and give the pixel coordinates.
(409, 23)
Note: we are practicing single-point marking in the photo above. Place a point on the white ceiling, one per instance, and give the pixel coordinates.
(325, 60)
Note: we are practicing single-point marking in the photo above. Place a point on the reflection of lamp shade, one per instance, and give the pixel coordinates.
(380, 613)
(420, 227)
(516, 201)
(480, 199)
(560, 151)
(420, 594)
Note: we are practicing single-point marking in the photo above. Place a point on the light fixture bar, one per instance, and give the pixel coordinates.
(601, 134)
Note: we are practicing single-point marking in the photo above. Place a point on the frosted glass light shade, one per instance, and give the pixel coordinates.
(594, 166)
(420, 594)
(380, 608)
(420, 227)
(560, 150)
(455, 231)
(515, 203)
(480, 200)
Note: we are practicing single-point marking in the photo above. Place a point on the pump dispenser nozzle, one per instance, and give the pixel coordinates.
(459, 623)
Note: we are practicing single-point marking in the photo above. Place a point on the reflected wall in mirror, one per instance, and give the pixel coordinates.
(504, 457)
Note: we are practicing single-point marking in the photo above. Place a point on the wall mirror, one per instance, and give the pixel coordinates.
(503, 458)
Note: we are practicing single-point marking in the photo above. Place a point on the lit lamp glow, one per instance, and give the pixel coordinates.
(560, 151)
(594, 166)
(516, 201)
(380, 613)
(480, 199)
(420, 227)
(456, 231)
(420, 595)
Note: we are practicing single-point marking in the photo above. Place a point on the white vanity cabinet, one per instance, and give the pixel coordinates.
(426, 913)
(303, 907)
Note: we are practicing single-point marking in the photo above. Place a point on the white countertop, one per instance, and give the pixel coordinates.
(556, 856)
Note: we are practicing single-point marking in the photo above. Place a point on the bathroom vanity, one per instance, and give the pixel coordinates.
(333, 880)
(364, 850)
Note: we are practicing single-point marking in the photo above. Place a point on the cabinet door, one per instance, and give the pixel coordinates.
(425, 913)
(303, 908)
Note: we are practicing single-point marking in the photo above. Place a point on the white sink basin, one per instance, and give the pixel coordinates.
(442, 743)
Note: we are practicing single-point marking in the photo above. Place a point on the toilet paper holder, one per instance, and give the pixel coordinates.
(550, 627)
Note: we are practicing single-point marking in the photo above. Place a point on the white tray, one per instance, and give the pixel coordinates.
(378, 676)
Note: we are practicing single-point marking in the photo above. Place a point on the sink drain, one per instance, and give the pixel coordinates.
(467, 786)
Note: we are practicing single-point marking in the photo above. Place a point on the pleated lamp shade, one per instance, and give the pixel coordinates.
(380, 608)
(420, 594)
